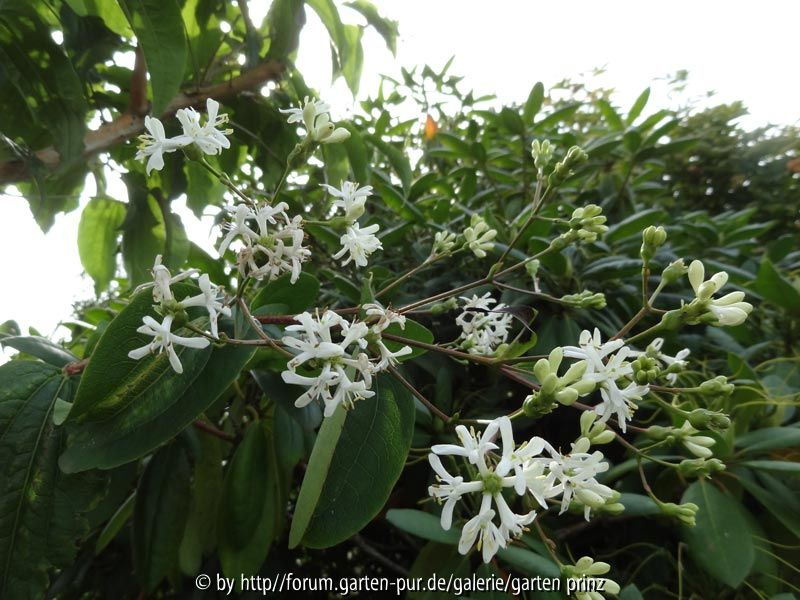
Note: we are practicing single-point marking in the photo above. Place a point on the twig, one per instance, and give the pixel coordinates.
(389, 564)
(419, 395)
(208, 428)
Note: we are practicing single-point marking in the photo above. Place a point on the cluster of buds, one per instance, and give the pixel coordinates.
(555, 389)
(542, 153)
(652, 239)
(563, 169)
(315, 117)
(700, 467)
(444, 242)
(685, 513)
(585, 225)
(585, 299)
(583, 572)
(595, 431)
(478, 237)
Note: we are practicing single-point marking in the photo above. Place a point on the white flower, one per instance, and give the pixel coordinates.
(484, 326)
(341, 361)
(350, 197)
(490, 482)
(730, 310)
(699, 445)
(575, 476)
(155, 143)
(481, 527)
(315, 117)
(238, 227)
(616, 401)
(162, 279)
(358, 244)
(207, 137)
(208, 299)
(164, 339)
(384, 317)
(592, 349)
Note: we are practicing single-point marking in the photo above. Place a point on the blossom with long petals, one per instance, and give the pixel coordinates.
(162, 280)
(729, 310)
(350, 198)
(206, 137)
(484, 325)
(155, 143)
(164, 339)
(592, 349)
(315, 117)
(358, 244)
(208, 298)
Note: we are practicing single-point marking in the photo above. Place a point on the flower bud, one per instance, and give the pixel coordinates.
(701, 418)
(674, 271)
(542, 152)
(444, 306)
(718, 385)
(685, 513)
(700, 467)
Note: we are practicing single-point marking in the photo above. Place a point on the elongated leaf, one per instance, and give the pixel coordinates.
(775, 466)
(159, 28)
(41, 508)
(638, 106)
(720, 543)
(422, 524)
(775, 497)
(249, 506)
(367, 461)
(776, 288)
(385, 27)
(115, 524)
(98, 231)
(41, 348)
(412, 331)
(769, 438)
(534, 102)
(634, 224)
(317, 471)
(529, 562)
(159, 515)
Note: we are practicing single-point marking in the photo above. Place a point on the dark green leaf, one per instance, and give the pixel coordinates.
(159, 28)
(159, 515)
(368, 459)
(41, 348)
(720, 543)
(422, 524)
(98, 232)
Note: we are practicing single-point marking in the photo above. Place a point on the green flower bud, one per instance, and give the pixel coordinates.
(585, 299)
(685, 513)
(542, 152)
(700, 467)
(567, 396)
(536, 405)
(658, 433)
(652, 239)
(674, 271)
(718, 385)
(672, 320)
(443, 307)
(700, 418)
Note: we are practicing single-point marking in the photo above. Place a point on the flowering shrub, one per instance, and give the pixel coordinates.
(477, 345)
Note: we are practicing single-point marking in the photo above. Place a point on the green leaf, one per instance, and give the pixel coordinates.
(115, 524)
(247, 511)
(776, 497)
(385, 27)
(638, 505)
(98, 232)
(422, 524)
(308, 417)
(769, 438)
(720, 543)
(318, 465)
(774, 466)
(41, 508)
(151, 404)
(159, 515)
(159, 28)
(296, 296)
(774, 287)
(367, 462)
(610, 115)
(285, 20)
(413, 331)
(638, 106)
(396, 158)
(534, 102)
(353, 61)
(41, 348)
(109, 12)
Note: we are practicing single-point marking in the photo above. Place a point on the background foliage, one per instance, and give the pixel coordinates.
(132, 494)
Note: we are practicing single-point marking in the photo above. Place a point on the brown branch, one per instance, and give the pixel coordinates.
(137, 100)
(209, 428)
(131, 123)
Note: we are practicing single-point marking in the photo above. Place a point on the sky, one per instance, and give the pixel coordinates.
(740, 50)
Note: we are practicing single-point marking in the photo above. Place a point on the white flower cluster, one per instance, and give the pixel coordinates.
(484, 325)
(357, 243)
(206, 137)
(275, 247)
(607, 365)
(336, 348)
(524, 470)
(163, 338)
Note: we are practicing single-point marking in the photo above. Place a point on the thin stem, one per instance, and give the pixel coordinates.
(521, 231)
(419, 395)
(210, 429)
(257, 326)
(485, 360)
(428, 261)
